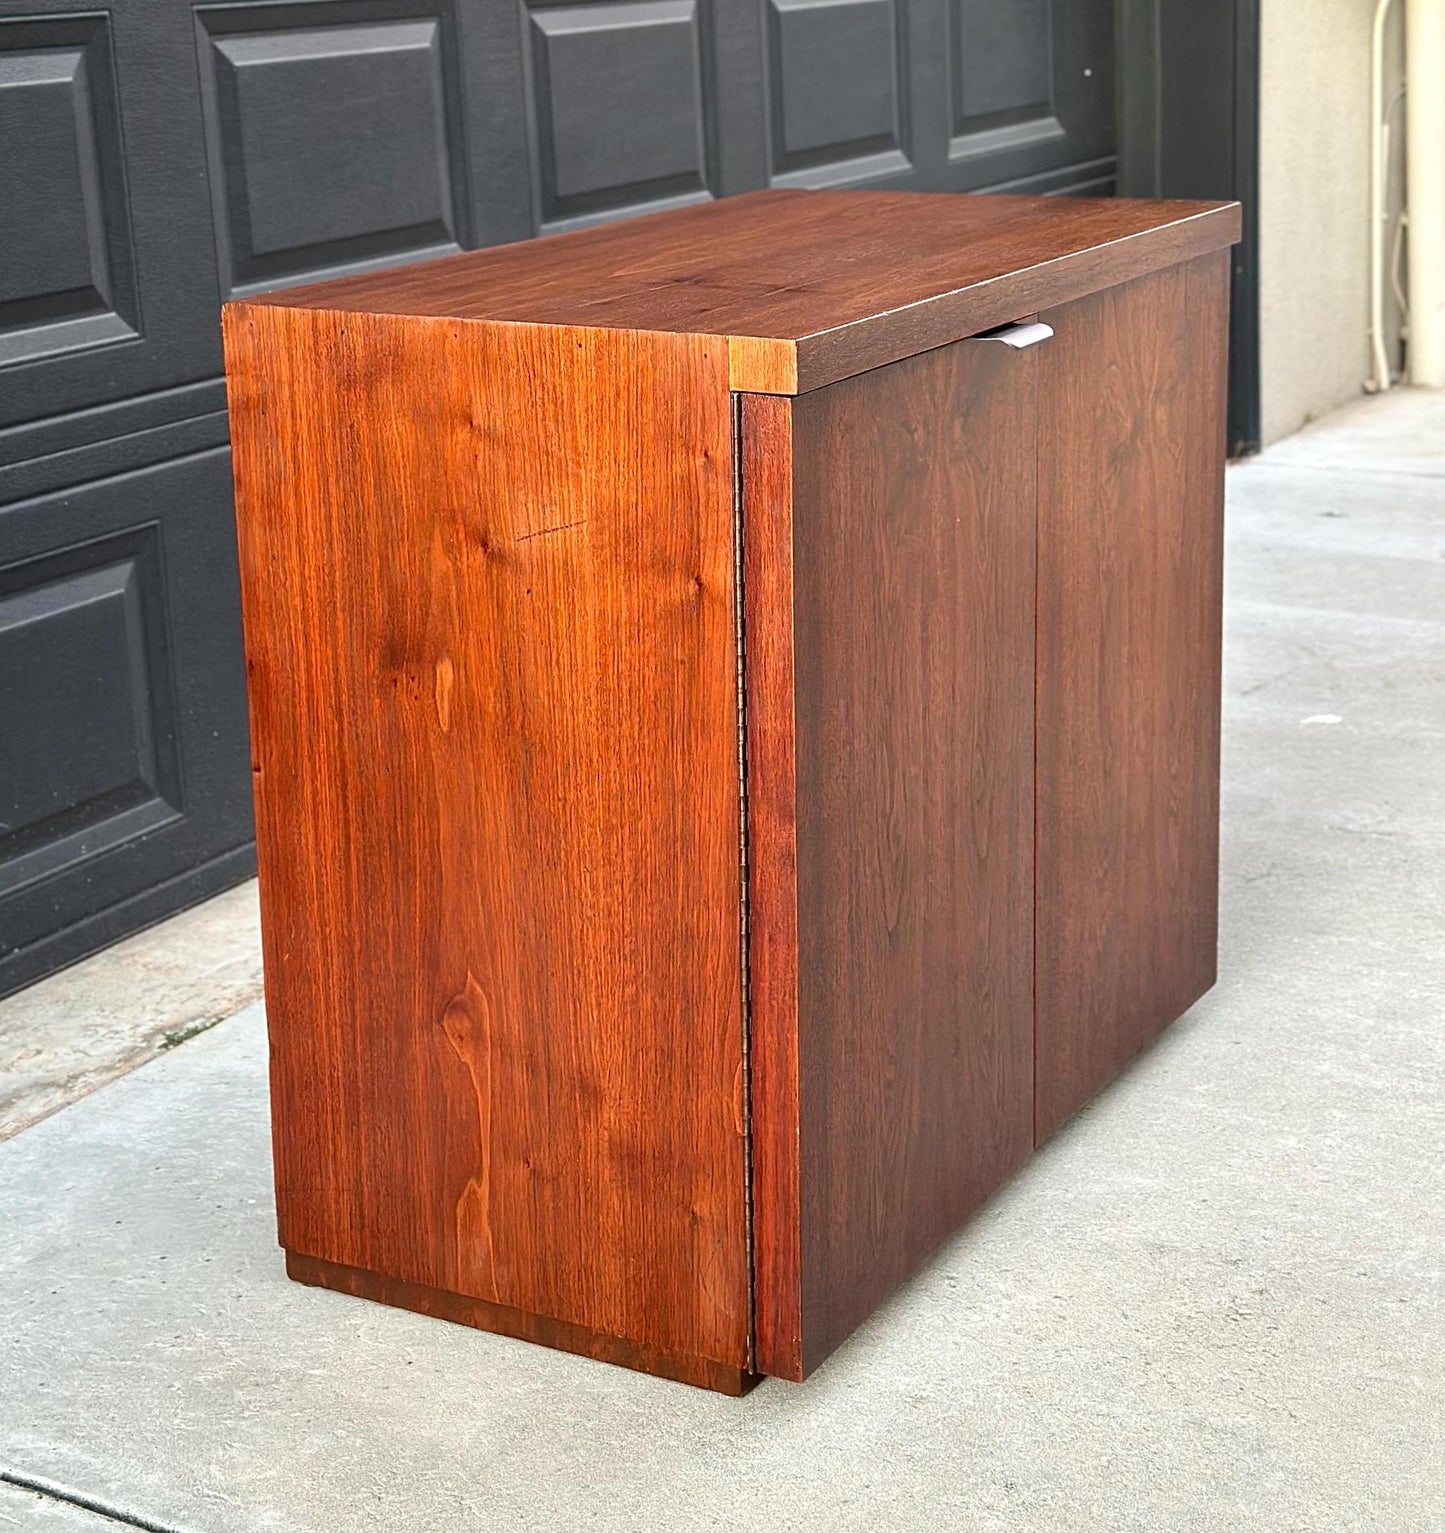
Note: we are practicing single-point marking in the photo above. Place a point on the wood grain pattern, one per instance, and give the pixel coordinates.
(1131, 490)
(805, 287)
(893, 1054)
(489, 600)
(478, 1313)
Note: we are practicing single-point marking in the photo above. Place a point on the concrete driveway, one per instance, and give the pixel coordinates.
(1215, 1301)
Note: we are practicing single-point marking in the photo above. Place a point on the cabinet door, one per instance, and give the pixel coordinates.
(1131, 486)
(888, 528)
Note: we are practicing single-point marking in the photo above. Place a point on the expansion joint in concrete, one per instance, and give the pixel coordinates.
(48, 1488)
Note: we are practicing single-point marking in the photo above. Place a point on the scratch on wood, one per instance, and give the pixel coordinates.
(542, 532)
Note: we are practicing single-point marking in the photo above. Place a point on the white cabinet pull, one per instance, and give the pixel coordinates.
(1018, 336)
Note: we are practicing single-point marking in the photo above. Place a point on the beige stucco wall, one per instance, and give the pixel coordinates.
(1314, 254)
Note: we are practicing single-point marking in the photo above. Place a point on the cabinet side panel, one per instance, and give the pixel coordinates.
(1131, 492)
(489, 600)
(913, 581)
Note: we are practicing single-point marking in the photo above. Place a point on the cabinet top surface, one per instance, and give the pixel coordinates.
(803, 286)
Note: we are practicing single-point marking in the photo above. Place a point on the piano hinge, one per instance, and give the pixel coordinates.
(747, 1083)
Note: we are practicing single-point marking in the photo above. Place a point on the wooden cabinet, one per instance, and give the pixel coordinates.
(735, 748)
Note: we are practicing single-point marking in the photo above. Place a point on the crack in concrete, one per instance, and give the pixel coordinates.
(43, 1487)
(1350, 469)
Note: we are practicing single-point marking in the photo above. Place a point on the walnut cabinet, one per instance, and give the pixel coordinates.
(735, 718)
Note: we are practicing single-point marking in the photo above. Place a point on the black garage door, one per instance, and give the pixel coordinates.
(157, 158)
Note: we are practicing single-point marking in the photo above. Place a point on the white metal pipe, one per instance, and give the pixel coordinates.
(1380, 361)
(1425, 187)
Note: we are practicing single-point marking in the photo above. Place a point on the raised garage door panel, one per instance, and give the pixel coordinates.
(107, 285)
(957, 96)
(123, 759)
(1030, 93)
(334, 136)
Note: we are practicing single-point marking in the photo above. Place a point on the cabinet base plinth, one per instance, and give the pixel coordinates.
(505, 1321)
